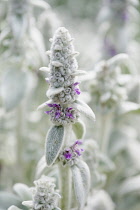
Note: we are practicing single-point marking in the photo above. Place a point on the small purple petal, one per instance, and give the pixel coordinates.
(77, 91)
(76, 83)
(57, 114)
(50, 105)
(54, 105)
(68, 155)
(47, 112)
(68, 114)
(78, 151)
(69, 108)
(78, 142)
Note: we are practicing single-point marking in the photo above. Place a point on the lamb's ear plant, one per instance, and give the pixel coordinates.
(65, 109)
(115, 18)
(117, 139)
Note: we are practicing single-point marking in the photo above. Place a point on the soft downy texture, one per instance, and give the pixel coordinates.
(65, 110)
(44, 195)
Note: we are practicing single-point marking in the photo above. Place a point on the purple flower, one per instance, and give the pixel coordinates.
(54, 105)
(48, 112)
(76, 83)
(68, 113)
(79, 151)
(78, 142)
(77, 90)
(67, 154)
(76, 149)
(57, 114)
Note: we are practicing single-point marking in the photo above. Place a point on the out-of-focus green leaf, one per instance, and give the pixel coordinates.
(130, 185)
(22, 191)
(106, 164)
(8, 199)
(13, 88)
(13, 208)
(129, 108)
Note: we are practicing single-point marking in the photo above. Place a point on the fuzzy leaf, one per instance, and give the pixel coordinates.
(118, 59)
(53, 91)
(79, 73)
(38, 40)
(42, 168)
(129, 108)
(8, 199)
(79, 129)
(105, 163)
(13, 88)
(44, 69)
(130, 185)
(44, 104)
(22, 191)
(13, 208)
(84, 109)
(29, 204)
(54, 142)
(81, 179)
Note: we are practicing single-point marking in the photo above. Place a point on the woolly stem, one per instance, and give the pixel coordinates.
(105, 124)
(65, 176)
(19, 137)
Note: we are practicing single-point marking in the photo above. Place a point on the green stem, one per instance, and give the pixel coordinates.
(65, 176)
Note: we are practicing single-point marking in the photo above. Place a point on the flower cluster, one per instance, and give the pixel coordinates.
(69, 94)
(63, 66)
(60, 115)
(107, 88)
(44, 195)
(70, 155)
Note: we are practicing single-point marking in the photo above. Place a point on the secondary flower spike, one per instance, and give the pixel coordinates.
(61, 116)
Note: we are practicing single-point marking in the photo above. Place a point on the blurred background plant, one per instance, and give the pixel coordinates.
(108, 39)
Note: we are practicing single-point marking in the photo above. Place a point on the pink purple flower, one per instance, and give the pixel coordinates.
(77, 90)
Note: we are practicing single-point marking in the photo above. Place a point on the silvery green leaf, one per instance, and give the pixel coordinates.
(53, 91)
(44, 104)
(13, 208)
(81, 180)
(29, 204)
(40, 3)
(8, 199)
(100, 200)
(54, 142)
(78, 73)
(57, 63)
(130, 185)
(42, 168)
(118, 59)
(79, 129)
(129, 108)
(13, 88)
(38, 41)
(22, 191)
(45, 69)
(133, 146)
(84, 109)
(105, 163)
